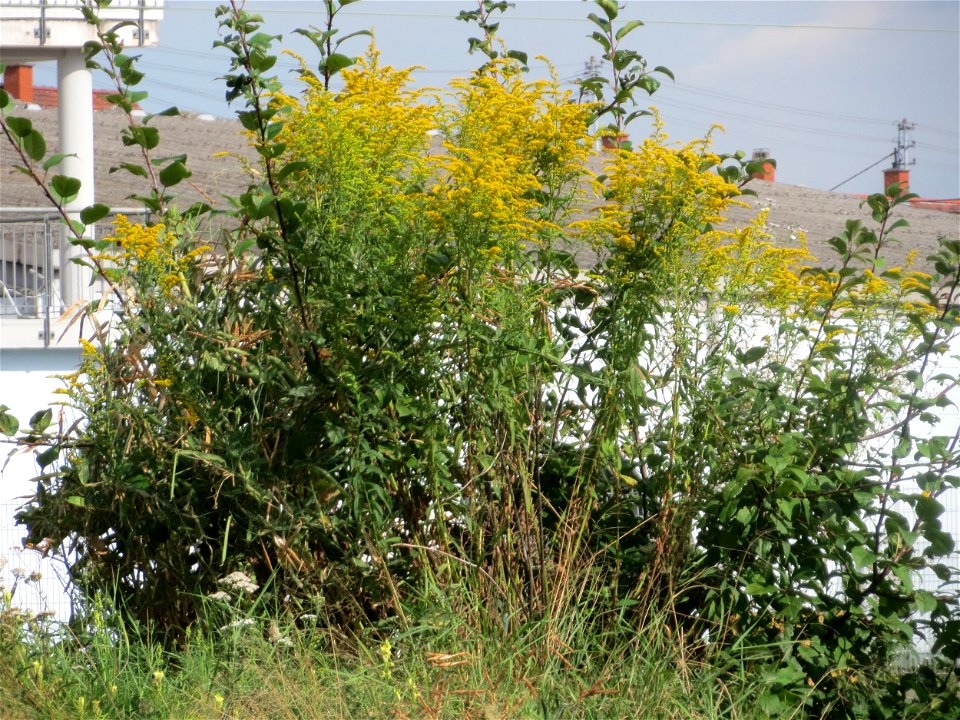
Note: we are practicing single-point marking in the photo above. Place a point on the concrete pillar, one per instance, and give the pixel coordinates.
(75, 107)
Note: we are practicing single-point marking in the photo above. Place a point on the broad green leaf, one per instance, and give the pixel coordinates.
(174, 173)
(632, 25)
(55, 160)
(928, 509)
(863, 557)
(92, 213)
(35, 146)
(19, 126)
(336, 62)
(64, 188)
(926, 602)
(292, 167)
(41, 420)
(941, 543)
(8, 423)
(752, 355)
(141, 135)
(609, 7)
(664, 71)
(131, 168)
(48, 456)
(169, 112)
(76, 500)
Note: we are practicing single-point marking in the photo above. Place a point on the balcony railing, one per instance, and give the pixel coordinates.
(30, 263)
(58, 23)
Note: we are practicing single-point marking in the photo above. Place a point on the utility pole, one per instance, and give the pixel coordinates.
(591, 68)
(900, 161)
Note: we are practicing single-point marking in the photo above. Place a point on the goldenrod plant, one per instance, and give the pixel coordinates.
(461, 390)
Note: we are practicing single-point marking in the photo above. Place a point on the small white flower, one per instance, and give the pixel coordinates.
(243, 622)
(219, 596)
(239, 581)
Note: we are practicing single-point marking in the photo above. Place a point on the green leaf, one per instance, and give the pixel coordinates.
(140, 135)
(293, 167)
(941, 543)
(76, 500)
(48, 456)
(6, 102)
(20, 127)
(863, 557)
(928, 509)
(91, 214)
(609, 7)
(336, 62)
(756, 588)
(632, 25)
(174, 173)
(64, 188)
(169, 112)
(926, 601)
(35, 146)
(664, 71)
(55, 159)
(752, 355)
(131, 168)
(41, 420)
(8, 423)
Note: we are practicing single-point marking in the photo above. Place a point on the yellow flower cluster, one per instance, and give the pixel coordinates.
(501, 142)
(752, 269)
(660, 205)
(511, 146)
(147, 245)
(372, 136)
(153, 250)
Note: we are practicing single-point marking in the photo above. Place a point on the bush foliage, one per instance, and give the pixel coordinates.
(435, 351)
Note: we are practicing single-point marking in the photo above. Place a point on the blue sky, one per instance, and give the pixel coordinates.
(821, 84)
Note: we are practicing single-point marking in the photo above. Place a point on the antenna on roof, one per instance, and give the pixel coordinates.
(900, 161)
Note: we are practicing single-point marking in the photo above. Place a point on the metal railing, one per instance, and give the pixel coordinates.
(31, 272)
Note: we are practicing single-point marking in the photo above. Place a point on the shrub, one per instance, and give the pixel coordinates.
(397, 373)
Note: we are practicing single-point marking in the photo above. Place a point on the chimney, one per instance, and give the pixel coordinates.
(614, 142)
(18, 82)
(896, 176)
(767, 170)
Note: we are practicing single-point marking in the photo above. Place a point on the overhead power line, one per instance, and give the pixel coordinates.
(863, 171)
(554, 18)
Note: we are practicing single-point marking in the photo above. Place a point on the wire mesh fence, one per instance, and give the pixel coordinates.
(37, 582)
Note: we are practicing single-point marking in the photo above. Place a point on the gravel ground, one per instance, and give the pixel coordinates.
(819, 213)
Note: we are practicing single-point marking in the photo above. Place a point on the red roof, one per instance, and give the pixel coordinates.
(46, 97)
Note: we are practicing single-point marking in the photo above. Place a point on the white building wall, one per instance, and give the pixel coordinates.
(28, 379)
(27, 384)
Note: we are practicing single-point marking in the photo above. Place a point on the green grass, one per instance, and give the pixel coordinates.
(271, 667)
(243, 659)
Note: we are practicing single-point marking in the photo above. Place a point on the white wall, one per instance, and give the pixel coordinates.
(27, 384)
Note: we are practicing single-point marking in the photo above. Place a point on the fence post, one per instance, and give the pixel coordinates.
(47, 278)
